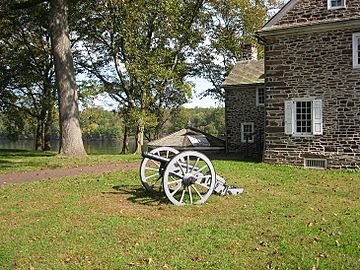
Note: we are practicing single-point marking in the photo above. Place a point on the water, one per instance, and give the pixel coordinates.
(91, 146)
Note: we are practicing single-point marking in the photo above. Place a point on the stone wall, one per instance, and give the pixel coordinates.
(315, 65)
(240, 107)
(307, 11)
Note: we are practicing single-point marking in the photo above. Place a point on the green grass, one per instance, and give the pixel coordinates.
(287, 219)
(22, 160)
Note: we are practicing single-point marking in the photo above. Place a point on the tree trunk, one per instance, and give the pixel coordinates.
(139, 139)
(39, 136)
(125, 146)
(71, 143)
(47, 130)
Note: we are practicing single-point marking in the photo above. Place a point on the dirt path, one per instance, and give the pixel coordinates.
(21, 177)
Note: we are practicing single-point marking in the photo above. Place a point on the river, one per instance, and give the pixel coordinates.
(91, 146)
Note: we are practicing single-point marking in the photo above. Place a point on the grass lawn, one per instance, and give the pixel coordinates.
(22, 160)
(287, 219)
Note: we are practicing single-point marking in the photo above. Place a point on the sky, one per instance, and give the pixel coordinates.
(200, 86)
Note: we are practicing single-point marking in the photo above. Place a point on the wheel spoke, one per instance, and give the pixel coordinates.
(203, 185)
(172, 182)
(151, 169)
(201, 169)
(157, 164)
(176, 174)
(197, 192)
(182, 196)
(176, 190)
(167, 154)
(190, 195)
(151, 176)
(187, 164)
(197, 161)
(182, 170)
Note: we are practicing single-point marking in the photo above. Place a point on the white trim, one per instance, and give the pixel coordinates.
(277, 17)
(257, 96)
(356, 44)
(242, 132)
(316, 117)
(337, 7)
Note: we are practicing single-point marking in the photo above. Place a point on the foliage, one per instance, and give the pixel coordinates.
(137, 51)
(27, 72)
(287, 219)
(209, 120)
(97, 123)
(229, 25)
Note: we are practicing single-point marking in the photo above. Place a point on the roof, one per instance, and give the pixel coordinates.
(298, 16)
(246, 72)
(189, 138)
(277, 17)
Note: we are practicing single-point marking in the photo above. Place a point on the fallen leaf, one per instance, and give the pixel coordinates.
(310, 224)
(316, 239)
(337, 242)
(31, 268)
(149, 261)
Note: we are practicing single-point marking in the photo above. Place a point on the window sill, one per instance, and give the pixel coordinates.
(336, 8)
(303, 135)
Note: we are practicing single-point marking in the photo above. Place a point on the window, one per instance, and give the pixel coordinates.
(356, 50)
(303, 117)
(336, 4)
(247, 132)
(260, 96)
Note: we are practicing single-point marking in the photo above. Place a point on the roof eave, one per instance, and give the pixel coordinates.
(308, 28)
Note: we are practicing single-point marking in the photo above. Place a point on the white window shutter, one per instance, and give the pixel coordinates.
(317, 117)
(288, 117)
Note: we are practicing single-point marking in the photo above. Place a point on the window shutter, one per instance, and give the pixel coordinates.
(288, 117)
(317, 117)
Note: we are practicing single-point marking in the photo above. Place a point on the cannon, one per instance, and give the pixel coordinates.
(186, 178)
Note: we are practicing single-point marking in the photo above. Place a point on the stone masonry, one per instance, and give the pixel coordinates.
(315, 65)
(313, 11)
(240, 107)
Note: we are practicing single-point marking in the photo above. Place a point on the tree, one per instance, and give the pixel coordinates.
(27, 88)
(71, 143)
(138, 50)
(229, 24)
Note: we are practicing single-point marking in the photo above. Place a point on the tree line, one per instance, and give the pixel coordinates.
(140, 52)
(100, 124)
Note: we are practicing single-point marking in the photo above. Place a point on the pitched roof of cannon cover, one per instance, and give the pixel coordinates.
(246, 72)
(314, 13)
(189, 138)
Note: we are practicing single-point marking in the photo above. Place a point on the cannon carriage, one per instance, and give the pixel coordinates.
(186, 178)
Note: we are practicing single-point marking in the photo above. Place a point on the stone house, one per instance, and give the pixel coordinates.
(312, 88)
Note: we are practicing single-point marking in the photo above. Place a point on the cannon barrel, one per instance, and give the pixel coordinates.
(155, 157)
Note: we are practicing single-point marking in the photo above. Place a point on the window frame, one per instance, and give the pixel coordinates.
(258, 104)
(330, 7)
(243, 140)
(356, 51)
(317, 121)
(294, 120)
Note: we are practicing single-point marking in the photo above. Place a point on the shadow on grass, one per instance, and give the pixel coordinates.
(24, 153)
(139, 195)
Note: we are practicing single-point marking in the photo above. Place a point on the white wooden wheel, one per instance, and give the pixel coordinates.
(151, 171)
(189, 178)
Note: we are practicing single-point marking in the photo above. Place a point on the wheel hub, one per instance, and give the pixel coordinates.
(189, 179)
